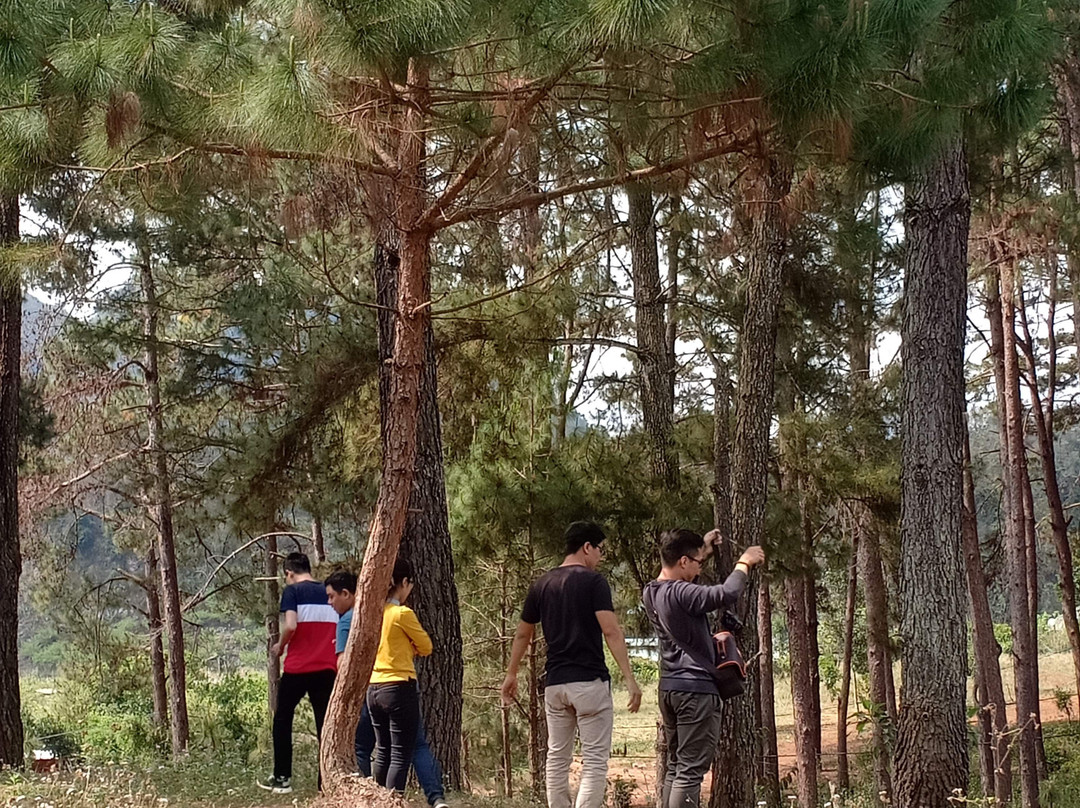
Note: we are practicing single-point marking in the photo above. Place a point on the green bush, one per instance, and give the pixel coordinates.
(114, 734)
(646, 671)
(228, 714)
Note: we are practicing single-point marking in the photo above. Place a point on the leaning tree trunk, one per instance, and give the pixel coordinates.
(932, 746)
(1027, 692)
(426, 542)
(158, 687)
(998, 764)
(412, 313)
(656, 357)
(161, 496)
(754, 395)
(11, 727)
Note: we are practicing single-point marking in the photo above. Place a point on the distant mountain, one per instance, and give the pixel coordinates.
(40, 323)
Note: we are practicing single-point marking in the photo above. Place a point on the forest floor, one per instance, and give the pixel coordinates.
(229, 784)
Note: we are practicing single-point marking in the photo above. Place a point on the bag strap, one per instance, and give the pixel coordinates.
(710, 667)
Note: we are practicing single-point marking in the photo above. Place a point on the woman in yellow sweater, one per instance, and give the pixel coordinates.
(392, 697)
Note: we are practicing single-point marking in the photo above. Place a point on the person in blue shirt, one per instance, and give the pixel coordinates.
(341, 594)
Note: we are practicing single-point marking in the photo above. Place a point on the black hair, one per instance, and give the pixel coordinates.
(297, 563)
(341, 581)
(581, 533)
(674, 544)
(402, 570)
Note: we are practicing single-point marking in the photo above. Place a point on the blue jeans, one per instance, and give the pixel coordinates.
(427, 768)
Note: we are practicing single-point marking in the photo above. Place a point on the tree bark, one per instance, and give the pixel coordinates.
(878, 652)
(843, 774)
(655, 354)
(770, 752)
(754, 395)
(426, 542)
(272, 621)
(412, 310)
(1016, 539)
(318, 541)
(158, 687)
(161, 497)
(932, 747)
(997, 766)
(11, 726)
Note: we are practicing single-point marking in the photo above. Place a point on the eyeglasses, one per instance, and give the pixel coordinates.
(698, 561)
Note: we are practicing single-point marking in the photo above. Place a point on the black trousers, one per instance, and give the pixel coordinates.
(317, 686)
(395, 716)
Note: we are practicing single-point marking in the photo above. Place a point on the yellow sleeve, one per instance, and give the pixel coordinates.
(414, 631)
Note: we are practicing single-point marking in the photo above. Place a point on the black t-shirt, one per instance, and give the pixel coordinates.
(564, 602)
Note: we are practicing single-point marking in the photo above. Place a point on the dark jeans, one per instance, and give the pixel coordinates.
(428, 771)
(395, 717)
(317, 687)
(691, 728)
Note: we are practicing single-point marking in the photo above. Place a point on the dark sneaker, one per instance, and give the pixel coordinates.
(278, 785)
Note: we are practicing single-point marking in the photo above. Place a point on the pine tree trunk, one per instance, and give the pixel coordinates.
(272, 621)
(813, 644)
(879, 657)
(11, 726)
(656, 360)
(843, 774)
(161, 496)
(1023, 650)
(426, 543)
(932, 745)
(537, 723)
(318, 541)
(998, 764)
(338, 756)
(754, 394)
(770, 752)
(158, 687)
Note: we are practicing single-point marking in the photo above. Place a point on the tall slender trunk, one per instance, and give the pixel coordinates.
(757, 361)
(879, 656)
(731, 784)
(813, 645)
(161, 496)
(11, 726)
(158, 687)
(770, 752)
(997, 766)
(426, 542)
(655, 357)
(1043, 412)
(272, 621)
(412, 312)
(932, 746)
(843, 774)
(1016, 538)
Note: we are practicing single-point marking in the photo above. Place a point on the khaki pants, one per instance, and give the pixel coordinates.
(585, 707)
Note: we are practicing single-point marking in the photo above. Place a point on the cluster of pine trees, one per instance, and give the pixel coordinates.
(439, 276)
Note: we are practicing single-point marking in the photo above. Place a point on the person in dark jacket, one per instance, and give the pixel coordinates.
(689, 698)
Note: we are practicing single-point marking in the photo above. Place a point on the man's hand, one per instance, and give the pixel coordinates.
(752, 556)
(275, 649)
(713, 539)
(509, 690)
(635, 696)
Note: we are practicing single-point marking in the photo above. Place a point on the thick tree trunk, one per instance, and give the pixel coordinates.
(655, 357)
(11, 727)
(426, 542)
(272, 621)
(158, 687)
(843, 772)
(161, 497)
(997, 765)
(754, 394)
(932, 746)
(731, 784)
(1016, 538)
(338, 756)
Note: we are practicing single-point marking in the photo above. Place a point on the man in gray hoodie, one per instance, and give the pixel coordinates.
(689, 698)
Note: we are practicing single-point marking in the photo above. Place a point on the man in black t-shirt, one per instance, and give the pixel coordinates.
(572, 603)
